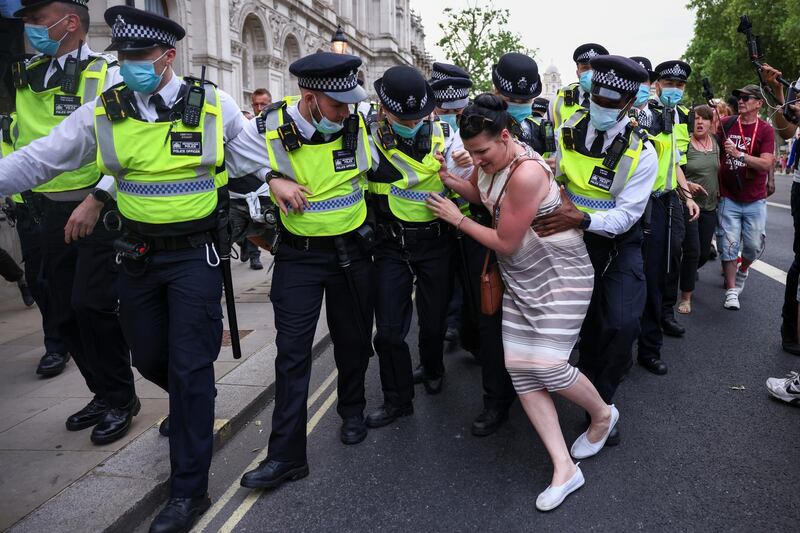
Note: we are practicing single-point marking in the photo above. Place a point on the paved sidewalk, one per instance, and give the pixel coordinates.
(39, 459)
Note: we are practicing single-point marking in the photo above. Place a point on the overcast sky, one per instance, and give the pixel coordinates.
(657, 30)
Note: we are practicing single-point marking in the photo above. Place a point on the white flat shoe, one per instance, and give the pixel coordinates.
(553, 496)
(582, 448)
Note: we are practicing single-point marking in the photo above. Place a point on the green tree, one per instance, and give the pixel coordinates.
(475, 37)
(718, 52)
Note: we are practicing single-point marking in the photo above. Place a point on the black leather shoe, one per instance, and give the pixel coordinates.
(163, 427)
(419, 375)
(25, 292)
(656, 366)
(488, 422)
(255, 263)
(88, 416)
(451, 335)
(353, 430)
(52, 364)
(671, 327)
(386, 414)
(613, 437)
(433, 385)
(116, 423)
(271, 474)
(179, 515)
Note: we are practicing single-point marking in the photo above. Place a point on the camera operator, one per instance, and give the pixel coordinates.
(786, 129)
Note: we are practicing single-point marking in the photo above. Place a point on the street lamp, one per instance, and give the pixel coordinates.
(339, 41)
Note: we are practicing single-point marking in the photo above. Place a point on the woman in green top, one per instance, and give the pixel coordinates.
(702, 163)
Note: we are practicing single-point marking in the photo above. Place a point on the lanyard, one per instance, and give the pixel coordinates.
(752, 139)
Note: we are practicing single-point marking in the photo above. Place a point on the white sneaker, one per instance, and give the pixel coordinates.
(786, 389)
(553, 496)
(741, 277)
(731, 299)
(582, 448)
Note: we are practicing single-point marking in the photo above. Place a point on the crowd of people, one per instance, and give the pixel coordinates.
(527, 229)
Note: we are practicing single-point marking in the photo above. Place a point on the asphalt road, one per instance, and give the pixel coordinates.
(704, 448)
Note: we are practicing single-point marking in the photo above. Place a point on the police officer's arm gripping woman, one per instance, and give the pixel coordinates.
(163, 138)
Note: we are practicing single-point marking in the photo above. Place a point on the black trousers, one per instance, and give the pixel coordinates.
(655, 250)
(30, 238)
(498, 391)
(790, 299)
(82, 284)
(300, 281)
(613, 320)
(680, 219)
(696, 248)
(9, 268)
(396, 267)
(171, 312)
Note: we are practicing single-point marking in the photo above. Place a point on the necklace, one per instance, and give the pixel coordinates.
(702, 146)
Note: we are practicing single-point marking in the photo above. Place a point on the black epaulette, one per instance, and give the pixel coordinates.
(197, 81)
(445, 129)
(261, 118)
(108, 58)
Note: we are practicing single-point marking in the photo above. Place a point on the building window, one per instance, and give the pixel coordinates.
(159, 7)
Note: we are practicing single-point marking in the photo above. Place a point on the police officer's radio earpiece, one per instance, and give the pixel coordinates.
(72, 73)
(549, 135)
(195, 98)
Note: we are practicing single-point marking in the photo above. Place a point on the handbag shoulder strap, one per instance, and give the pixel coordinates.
(512, 168)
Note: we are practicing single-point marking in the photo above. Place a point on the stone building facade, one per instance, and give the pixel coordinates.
(246, 44)
(551, 82)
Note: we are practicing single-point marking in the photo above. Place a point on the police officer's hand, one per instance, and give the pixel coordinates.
(83, 219)
(289, 195)
(444, 208)
(565, 217)
(694, 209)
(462, 158)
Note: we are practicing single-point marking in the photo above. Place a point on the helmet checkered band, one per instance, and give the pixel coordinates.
(436, 75)
(122, 31)
(83, 3)
(676, 70)
(523, 86)
(610, 79)
(334, 85)
(450, 93)
(396, 107)
(504, 83)
(589, 54)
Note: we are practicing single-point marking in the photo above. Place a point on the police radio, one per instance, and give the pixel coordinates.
(72, 73)
(19, 74)
(386, 136)
(571, 96)
(195, 98)
(350, 137)
(667, 119)
(422, 142)
(289, 136)
(615, 151)
(5, 128)
(549, 134)
(113, 105)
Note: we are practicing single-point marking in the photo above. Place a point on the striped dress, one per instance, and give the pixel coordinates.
(548, 285)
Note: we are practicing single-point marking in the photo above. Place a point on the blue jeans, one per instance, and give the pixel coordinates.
(741, 227)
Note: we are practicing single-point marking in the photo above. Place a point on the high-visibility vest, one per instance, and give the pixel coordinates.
(39, 112)
(407, 196)
(590, 185)
(335, 177)
(166, 172)
(668, 144)
(6, 148)
(561, 111)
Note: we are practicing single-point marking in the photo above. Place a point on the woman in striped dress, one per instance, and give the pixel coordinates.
(548, 285)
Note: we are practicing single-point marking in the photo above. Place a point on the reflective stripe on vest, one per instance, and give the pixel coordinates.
(407, 196)
(36, 117)
(155, 185)
(337, 183)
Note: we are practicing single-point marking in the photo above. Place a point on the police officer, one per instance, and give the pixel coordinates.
(412, 242)
(608, 169)
(318, 154)
(516, 79)
(664, 234)
(539, 108)
(77, 256)
(641, 102)
(480, 334)
(451, 84)
(162, 137)
(576, 95)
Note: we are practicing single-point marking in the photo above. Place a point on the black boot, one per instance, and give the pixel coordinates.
(25, 292)
(386, 414)
(353, 430)
(163, 427)
(115, 423)
(656, 366)
(671, 327)
(52, 364)
(179, 515)
(271, 474)
(255, 263)
(88, 416)
(488, 422)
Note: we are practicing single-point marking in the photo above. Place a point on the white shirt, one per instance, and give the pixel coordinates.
(72, 144)
(632, 200)
(455, 144)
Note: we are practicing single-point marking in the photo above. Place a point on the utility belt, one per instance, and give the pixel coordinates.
(406, 233)
(314, 244)
(137, 247)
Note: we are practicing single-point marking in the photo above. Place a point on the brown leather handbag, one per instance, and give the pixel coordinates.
(491, 283)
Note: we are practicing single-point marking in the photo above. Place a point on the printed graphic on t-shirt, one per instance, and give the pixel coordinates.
(742, 146)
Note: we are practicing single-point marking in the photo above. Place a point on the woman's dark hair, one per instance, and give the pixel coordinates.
(703, 111)
(487, 113)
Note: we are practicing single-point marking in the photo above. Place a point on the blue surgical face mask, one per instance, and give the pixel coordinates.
(643, 95)
(585, 80)
(325, 126)
(405, 131)
(603, 118)
(670, 96)
(141, 75)
(39, 37)
(450, 119)
(519, 111)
